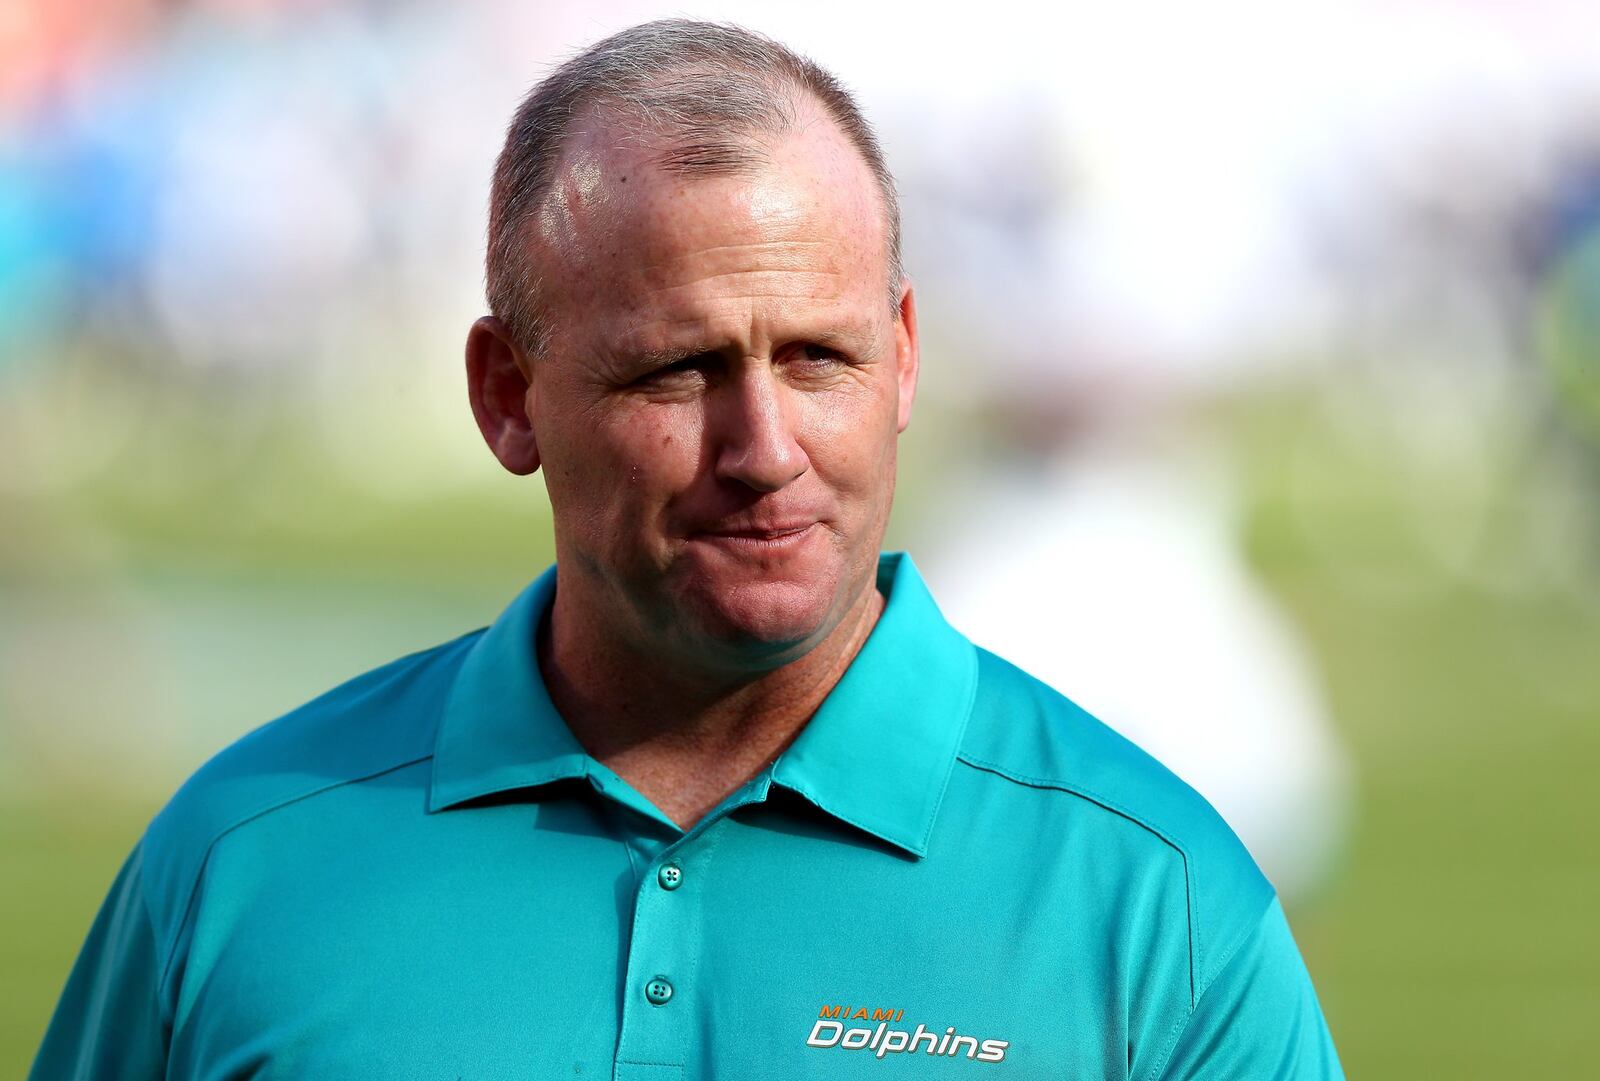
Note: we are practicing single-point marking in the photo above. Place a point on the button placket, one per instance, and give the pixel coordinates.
(658, 1012)
(661, 1011)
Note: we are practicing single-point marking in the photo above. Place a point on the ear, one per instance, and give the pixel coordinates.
(500, 387)
(907, 358)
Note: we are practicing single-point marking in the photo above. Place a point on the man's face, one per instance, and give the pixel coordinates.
(717, 410)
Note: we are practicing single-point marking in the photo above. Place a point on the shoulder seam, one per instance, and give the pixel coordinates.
(1176, 1035)
(1115, 808)
(171, 948)
(1072, 789)
(142, 889)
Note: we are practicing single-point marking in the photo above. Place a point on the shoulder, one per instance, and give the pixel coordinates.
(1037, 741)
(377, 722)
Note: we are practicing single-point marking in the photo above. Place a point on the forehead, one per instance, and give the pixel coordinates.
(620, 231)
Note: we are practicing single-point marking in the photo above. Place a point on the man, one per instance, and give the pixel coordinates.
(720, 795)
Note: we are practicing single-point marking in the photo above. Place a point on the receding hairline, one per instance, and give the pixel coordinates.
(622, 125)
(607, 127)
(710, 97)
(608, 191)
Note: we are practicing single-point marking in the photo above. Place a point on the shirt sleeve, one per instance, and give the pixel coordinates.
(108, 1024)
(1259, 1018)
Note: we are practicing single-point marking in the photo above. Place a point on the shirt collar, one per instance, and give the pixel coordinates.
(877, 754)
(500, 730)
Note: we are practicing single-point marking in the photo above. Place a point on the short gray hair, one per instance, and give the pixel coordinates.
(709, 88)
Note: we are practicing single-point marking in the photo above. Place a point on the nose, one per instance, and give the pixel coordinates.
(756, 430)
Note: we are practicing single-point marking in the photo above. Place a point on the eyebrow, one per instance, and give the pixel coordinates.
(662, 358)
(845, 339)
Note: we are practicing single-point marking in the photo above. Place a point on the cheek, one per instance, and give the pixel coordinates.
(850, 439)
(659, 440)
(608, 436)
(641, 454)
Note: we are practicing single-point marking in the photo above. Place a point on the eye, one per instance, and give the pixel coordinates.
(813, 355)
(679, 371)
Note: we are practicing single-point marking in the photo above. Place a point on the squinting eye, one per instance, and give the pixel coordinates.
(812, 353)
(678, 369)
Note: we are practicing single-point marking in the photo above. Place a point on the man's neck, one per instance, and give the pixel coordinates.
(685, 740)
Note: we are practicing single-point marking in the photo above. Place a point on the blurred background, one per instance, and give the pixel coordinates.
(1260, 413)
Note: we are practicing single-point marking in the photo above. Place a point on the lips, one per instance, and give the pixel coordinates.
(769, 532)
(766, 538)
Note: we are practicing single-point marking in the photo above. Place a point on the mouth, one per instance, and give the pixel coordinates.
(758, 539)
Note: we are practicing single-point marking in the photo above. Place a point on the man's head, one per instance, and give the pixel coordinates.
(702, 334)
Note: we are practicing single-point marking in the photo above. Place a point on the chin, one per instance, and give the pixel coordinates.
(766, 623)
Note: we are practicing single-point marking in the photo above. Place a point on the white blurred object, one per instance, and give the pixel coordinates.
(1119, 583)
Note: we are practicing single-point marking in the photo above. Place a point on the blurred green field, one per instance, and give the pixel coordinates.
(1458, 939)
(1461, 939)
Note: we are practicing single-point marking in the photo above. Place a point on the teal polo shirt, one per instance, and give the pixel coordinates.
(952, 871)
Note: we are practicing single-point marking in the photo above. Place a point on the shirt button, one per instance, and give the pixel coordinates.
(670, 876)
(658, 991)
